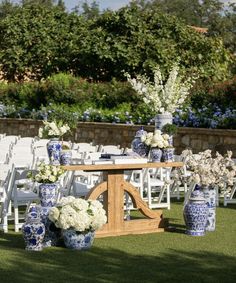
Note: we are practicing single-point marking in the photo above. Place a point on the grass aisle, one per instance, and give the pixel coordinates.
(162, 257)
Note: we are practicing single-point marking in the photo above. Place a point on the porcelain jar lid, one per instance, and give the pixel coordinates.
(140, 133)
(197, 195)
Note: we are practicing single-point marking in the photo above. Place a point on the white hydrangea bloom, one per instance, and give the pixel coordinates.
(78, 214)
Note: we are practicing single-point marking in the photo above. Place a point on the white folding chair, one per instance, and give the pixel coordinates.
(230, 194)
(19, 193)
(158, 187)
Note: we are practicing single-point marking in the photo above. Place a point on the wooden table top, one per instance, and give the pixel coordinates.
(107, 167)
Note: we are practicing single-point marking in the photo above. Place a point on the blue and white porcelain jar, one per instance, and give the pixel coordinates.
(210, 197)
(138, 146)
(33, 232)
(65, 157)
(48, 194)
(168, 154)
(54, 148)
(155, 154)
(78, 240)
(195, 214)
(52, 233)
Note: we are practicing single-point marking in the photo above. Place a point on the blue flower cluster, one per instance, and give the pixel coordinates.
(206, 117)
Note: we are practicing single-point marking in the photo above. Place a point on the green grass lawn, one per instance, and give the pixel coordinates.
(161, 257)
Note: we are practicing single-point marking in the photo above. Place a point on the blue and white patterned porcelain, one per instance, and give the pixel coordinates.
(138, 146)
(65, 157)
(210, 197)
(195, 214)
(33, 232)
(52, 235)
(162, 119)
(48, 194)
(168, 154)
(155, 154)
(78, 240)
(54, 148)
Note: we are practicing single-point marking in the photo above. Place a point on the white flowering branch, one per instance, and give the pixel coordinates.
(160, 97)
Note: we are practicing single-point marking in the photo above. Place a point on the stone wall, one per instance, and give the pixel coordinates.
(120, 134)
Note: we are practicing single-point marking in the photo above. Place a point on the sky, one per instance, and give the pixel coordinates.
(104, 4)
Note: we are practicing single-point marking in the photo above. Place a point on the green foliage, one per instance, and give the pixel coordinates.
(37, 41)
(170, 129)
(222, 94)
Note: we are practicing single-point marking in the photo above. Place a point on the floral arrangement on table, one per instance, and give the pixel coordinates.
(156, 139)
(78, 214)
(47, 173)
(210, 171)
(53, 129)
(159, 96)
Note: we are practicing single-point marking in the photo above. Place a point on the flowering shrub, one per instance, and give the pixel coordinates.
(206, 117)
(53, 129)
(156, 139)
(160, 97)
(47, 173)
(209, 171)
(79, 214)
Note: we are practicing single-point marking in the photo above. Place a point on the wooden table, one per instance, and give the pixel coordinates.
(113, 189)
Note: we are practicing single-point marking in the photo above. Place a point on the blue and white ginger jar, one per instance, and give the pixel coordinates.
(65, 157)
(168, 154)
(138, 146)
(195, 214)
(33, 232)
(48, 194)
(54, 148)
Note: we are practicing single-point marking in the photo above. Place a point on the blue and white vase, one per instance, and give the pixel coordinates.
(168, 154)
(195, 214)
(52, 235)
(210, 197)
(78, 240)
(48, 194)
(54, 148)
(65, 157)
(155, 154)
(33, 232)
(162, 119)
(138, 146)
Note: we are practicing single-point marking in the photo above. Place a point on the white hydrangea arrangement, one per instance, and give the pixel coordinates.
(47, 173)
(159, 96)
(53, 129)
(211, 171)
(156, 139)
(79, 214)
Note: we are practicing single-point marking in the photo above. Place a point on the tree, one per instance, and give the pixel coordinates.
(135, 40)
(36, 42)
(211, 14)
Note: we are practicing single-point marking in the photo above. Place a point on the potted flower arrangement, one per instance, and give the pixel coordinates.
(162, 95)
(78, 219)
(47, 176)
(53, 130)
(210, 174)
(156, 141)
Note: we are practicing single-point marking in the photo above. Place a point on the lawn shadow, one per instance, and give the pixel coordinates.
(114, 265)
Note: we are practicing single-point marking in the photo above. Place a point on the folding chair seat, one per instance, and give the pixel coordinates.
(158, 188)
(230, 194)
(20, 192)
